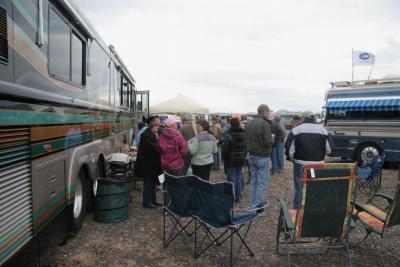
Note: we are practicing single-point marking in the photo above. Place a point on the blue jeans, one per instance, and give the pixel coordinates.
(235, 176)
(216, 160)
(259, 179)
(298, 185)
(277, 157)
(149, 192)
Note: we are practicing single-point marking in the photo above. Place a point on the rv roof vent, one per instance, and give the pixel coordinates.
(370, 82)
(3, 36)
(340, 84)
(391, 78)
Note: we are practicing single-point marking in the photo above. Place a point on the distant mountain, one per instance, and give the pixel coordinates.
(287, 112)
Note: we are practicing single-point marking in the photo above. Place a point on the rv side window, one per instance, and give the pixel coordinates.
(363, 115)
(125, 92)
(381, 115)
(76, 59)
(66, 50)
(59, 46)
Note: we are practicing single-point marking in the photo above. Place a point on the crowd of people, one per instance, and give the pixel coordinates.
(259, 144)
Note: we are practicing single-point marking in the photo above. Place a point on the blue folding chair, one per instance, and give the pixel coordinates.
(190, 199)
(370, 175)
(215, 212)
(179, 208)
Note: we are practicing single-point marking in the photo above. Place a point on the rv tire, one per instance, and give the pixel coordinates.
(78, 209)
(366, 152)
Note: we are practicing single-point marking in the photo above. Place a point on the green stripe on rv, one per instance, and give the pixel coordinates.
(27, 118)
(48, 205)
(58, 144)
(46, 220)
(38, 149)
(8, 156)
(17, 245)
(16, 229)
(52, 202)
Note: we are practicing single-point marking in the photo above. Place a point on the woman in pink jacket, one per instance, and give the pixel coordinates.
(173, 148)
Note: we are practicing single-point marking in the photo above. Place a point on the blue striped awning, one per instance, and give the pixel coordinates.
(365, 105)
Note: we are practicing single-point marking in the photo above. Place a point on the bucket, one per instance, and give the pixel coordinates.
(112, 200)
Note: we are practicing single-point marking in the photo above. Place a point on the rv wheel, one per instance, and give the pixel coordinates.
(366, 152)
(79, 206)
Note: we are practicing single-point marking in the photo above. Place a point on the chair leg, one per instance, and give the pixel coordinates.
(287, 251)
(281, 224)
(278, 232)
(213, 240)
(377, 251)
(176, 223)
(195, 238)
(365, 237)
(164, 242)
(231, 252)
(348, 252)
(243, 241)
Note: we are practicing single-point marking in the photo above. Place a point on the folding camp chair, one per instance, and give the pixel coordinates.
(370, 175)
(377, 219)
(219, 222)
(322, 222)
(179, 208)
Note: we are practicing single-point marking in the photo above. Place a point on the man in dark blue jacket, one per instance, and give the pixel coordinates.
(307, 143)
(277, 157)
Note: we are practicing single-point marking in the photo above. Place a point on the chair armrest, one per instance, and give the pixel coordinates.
(285, 212)
(359, 207)
(387, 197)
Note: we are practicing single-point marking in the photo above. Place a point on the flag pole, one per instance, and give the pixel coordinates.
(370, 71)
(352, 66)
(373, 64)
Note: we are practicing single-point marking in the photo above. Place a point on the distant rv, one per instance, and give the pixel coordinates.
(363, 118)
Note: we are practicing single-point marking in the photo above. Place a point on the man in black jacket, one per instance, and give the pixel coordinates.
(307, 143)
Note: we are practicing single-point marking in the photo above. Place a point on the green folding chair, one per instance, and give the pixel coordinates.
(323, 220)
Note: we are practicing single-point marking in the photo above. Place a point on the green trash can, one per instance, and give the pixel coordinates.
(112, 200)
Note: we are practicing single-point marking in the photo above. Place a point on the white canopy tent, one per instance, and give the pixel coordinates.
(179, 104)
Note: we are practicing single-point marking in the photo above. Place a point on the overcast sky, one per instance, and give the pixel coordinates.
(232, 55)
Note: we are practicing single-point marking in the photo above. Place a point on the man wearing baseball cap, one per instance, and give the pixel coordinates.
(259, 145)
(307, 143)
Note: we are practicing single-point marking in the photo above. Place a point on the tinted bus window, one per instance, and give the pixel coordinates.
(76, 59)
(100, 81)
(59, 46)
(363, 115)
(381, 115)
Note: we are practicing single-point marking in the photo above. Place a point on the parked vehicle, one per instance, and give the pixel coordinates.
(290, 121)
(363, 118)
(67, 102)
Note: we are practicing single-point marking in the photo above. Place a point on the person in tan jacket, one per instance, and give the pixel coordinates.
(216, 131)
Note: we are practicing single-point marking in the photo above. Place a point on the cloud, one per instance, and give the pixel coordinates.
(233, 54)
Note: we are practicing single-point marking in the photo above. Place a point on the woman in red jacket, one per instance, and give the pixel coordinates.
(173, 148)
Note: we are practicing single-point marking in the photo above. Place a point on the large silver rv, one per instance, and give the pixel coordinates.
(67, 101)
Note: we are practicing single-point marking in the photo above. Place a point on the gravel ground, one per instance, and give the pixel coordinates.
(138, 241)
